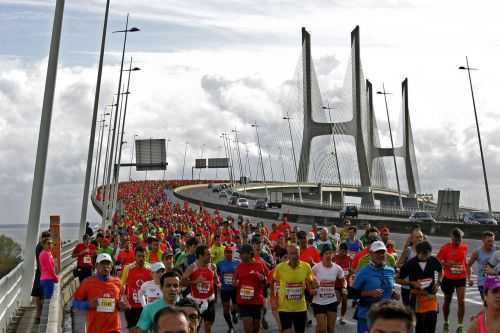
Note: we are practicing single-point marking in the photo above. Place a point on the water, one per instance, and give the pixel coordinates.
(69, 231)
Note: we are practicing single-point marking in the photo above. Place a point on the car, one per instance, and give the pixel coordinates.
(260, 204)
(421, 217)
(232, 200)
(216, 189)
(222, 194)
(479, 218)
(348, 211)
(242, 202)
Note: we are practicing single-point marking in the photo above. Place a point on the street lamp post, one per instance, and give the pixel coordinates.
(131, 158)
(478, 132)
(201, 157)
(270, 163)
(106, 155)
(184, 163)
(288, 118)
(107, 213)
(328, 108)
(282, 163)
(85, 200)
(261, 160)
(248, 162)
(223, 137)
(100, 129)
(392, 144)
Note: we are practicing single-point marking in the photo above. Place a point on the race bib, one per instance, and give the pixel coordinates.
(151, 299)
(87, 260)
(228, 279)
(203, 287)
(457, 269)
(294, 291)
(424, 283)
(105, 304)
(247, 292)
(326, 289)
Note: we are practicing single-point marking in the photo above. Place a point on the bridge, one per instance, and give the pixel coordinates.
(338, 155)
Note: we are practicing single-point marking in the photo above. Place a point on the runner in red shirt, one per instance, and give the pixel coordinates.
(453, 257)
(308, 252)
(284, 225)
(125, 256)
(100, 296)
(134, 275)
(84, 253)
(275, 234)
(250, 280)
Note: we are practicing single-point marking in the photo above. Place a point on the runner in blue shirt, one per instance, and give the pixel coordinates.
(373, 283)
(225, 270)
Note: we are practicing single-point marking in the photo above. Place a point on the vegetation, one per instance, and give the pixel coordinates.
(10, 255)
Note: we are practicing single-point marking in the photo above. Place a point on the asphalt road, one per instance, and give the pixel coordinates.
(473, 299)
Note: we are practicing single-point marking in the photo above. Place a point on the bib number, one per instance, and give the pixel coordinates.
(105, 305)
(203, 287)
(457, 269)
(247, 292)
(294, 291)
(228, 279)
(87, 260)
(327, 289)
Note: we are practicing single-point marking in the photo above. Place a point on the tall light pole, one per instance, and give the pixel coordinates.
(100, 129)
(229, 170)
(85, 200)
(107, 212)
(261, 160)
(392, 144)
(33, 227)
(248, 162)
(328, 108)
(117, 170)
(226, 138)
(166, 160)
(478, 132)
(217, 169)
(184, 163)
(201, 157)
(99, 153)
(131, 158)
(106, 156)
(270, 163)
(288, 118)
(237, 141)
(282, 164)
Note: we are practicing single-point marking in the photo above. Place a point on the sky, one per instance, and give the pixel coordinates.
(210, 66)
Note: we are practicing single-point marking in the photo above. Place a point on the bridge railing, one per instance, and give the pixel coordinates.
(11, 287)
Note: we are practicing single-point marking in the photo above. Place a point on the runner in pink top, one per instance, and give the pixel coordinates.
(48, 276)
(489, 320)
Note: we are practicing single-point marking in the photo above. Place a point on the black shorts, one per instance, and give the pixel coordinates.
(36, 291)
(448, 286)
(133, 316)
(323, 309)
(228, 295)
(209, 314)
(250, 310)
(296, 319)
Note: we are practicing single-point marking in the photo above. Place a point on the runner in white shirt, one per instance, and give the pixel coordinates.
(325, 303)
(150, 291)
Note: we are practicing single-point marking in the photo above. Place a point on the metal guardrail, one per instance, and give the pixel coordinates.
(11, 287)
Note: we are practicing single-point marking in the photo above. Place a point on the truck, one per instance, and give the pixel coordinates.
(276, 199)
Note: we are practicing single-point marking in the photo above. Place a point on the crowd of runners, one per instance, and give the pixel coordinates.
(166, 265)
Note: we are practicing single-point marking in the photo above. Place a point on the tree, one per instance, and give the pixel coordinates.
(10, 254)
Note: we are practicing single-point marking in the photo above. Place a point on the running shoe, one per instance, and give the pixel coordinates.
(265, 325)
(446, 327)
(460, 329)
(342, 321)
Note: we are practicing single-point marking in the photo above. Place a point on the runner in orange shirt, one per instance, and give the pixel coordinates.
(100, 295)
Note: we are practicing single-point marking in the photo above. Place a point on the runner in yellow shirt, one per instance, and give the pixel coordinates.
(293, 276)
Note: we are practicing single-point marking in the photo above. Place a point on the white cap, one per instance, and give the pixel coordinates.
(104, 257)
(310, 235)
(377, 246)
(157, 266)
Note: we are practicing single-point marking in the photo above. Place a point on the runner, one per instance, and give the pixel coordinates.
(133, 276)
(293, 276)
(202, 278)
(409, 252)
(170, 319)
(390, 316)
(489, 320)
(217, 249)
(154, 253)
(84, 254)
(424, 273)
(250, 280)
(192, 312)
(150, 291)
(325, 239)
(325, 302)
(225, 271)
(482, 255)
(335, 236)
(373, 283)
(100, 295)
(125, 256)
(170, 286)
(344, 261)
(453, 257)
(308, 252)
(353, 244)
(280, 256)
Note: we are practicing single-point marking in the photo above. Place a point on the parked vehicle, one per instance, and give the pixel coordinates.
(216, 189)
(222, 194)
(421, 217)
(242, 202)
(479, 218)
(276, 199)
(260, 204)
(348, 211)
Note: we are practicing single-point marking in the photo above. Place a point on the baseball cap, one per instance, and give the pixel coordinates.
(377, 246)
(103, 257)
(492, 282)
(157, 266)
